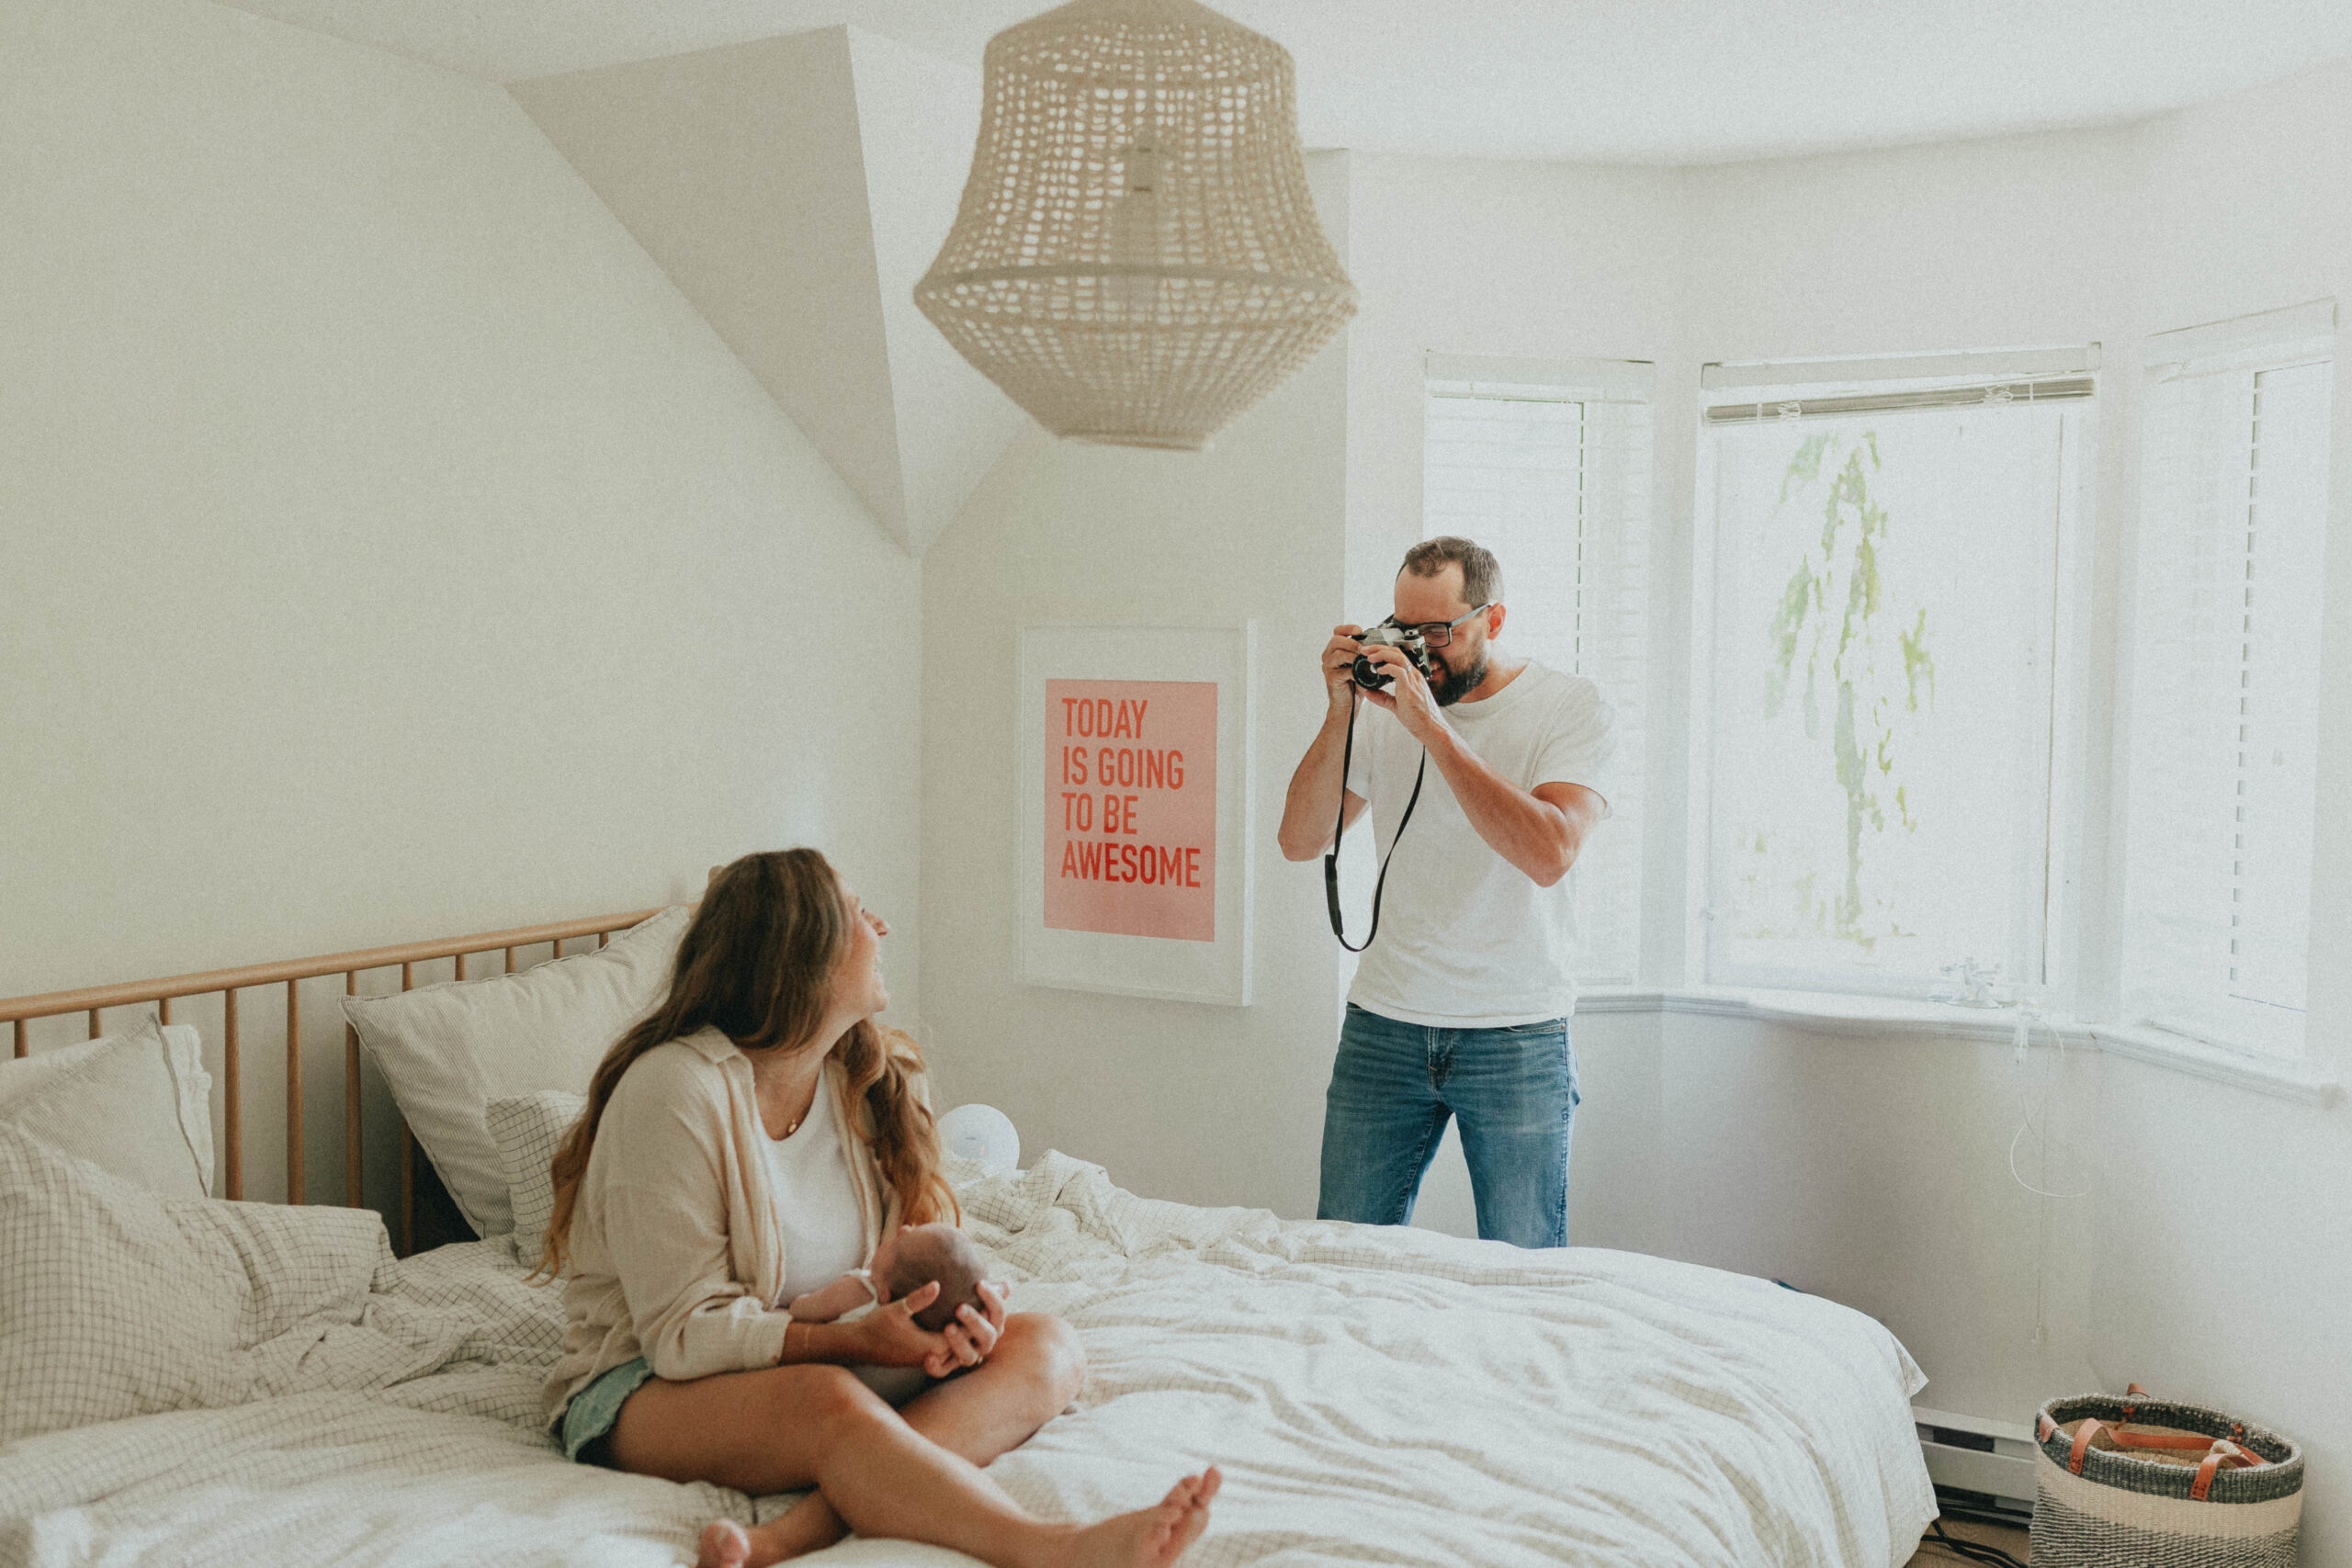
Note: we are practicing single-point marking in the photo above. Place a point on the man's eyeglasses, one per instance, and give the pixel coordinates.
(1438, 634)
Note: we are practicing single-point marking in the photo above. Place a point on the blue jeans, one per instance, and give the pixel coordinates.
(1395, 1085)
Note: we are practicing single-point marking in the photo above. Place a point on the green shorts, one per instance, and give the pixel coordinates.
(588, 1419)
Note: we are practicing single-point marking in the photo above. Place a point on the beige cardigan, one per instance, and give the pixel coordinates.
(675, 1252)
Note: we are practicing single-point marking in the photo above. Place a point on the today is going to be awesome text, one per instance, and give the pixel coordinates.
(1126, 771)
(1131, 806)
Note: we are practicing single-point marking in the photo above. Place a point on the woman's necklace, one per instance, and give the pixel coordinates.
(795, 1127)
(816, 1087)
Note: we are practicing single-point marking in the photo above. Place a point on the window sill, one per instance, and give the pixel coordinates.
(1824, 1013)
(1829, 1012)
(2182, 1055)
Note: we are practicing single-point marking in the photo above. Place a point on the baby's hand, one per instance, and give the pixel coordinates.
(812, 1308)
(828, 1302)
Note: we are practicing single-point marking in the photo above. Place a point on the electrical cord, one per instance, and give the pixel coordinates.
(1331, 859)
(1973, 1552)
(2027, 1017)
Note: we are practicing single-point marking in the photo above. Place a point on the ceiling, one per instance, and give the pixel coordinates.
(1612, 81)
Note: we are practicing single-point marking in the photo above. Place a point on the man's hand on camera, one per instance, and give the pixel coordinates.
(1339, 659)
(1407, 695)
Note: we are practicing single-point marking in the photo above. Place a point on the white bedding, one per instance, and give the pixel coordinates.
(1374, 1395)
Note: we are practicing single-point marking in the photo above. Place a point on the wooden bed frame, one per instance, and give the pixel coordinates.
(95, 1001)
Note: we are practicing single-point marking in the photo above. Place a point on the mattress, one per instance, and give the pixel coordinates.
(1375, 1396)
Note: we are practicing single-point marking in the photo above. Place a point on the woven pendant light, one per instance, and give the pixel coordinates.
(1137, 259)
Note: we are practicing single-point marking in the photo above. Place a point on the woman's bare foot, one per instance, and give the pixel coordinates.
(803, 1528)
(725, 1544)
(1153, 1537)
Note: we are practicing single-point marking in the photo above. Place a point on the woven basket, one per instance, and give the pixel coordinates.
(2155, 1484)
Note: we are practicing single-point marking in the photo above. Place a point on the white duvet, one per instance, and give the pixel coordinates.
(1375, 1396)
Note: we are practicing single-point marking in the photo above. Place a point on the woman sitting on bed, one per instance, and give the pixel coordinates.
(751, 1141)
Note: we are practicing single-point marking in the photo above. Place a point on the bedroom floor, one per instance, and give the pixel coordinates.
(2015, 1542)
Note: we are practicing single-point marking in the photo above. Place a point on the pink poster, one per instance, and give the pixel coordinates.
(1131, 808)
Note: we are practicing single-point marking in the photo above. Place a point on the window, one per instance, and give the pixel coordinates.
(2224, 699)
(1879, 691)
(1548, 464)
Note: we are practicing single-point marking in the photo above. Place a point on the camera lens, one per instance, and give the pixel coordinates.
(1368, 674)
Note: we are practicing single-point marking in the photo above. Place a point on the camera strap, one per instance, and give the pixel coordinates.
(1332, 861)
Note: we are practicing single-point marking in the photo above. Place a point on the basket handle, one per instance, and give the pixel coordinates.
(2083, 1430)
(2217, 1450)
(2048, 1426)
(2223, 1449)
(2134, 1440)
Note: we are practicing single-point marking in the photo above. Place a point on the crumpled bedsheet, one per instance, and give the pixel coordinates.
(1375, 1395)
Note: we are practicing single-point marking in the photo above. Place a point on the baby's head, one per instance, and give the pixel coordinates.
(919, 1254)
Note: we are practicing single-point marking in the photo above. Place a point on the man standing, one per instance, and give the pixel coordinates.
(1461, 1002)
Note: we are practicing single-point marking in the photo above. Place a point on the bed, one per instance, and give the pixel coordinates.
(1374, 1395)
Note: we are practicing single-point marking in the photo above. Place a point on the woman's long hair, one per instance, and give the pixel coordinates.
(759, 963)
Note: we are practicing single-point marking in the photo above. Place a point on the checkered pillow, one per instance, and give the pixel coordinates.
(528, 1129)
(117, 1303)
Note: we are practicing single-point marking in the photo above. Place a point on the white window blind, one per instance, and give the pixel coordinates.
(2225, 697)
(1884, 631)
(1548, 464)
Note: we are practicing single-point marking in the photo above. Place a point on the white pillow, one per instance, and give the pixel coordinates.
(116, 1303)
(138, 1104)
(528, 1129)
(449, 1050)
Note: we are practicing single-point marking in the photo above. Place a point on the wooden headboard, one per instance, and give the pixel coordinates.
(228, 984)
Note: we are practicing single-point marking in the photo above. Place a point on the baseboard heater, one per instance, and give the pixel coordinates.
(1978, 1463)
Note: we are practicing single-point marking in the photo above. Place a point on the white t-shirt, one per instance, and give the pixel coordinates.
(1466, 939)
(815, 1206)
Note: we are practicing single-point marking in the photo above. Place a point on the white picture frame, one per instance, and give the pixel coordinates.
(1215, 971)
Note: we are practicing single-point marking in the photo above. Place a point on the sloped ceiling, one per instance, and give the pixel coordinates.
(1593, 81)
(795, 188)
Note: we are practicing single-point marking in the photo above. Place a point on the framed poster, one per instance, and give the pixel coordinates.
(1132, 866)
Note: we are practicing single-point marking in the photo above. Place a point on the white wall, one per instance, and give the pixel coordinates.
(1873, 1169)
(795, 188)
(1209, 1104)
(1463, 257)
(386, 549)
(917, 117)
(2225, 1255)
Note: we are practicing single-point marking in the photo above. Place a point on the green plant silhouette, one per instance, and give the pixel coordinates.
(1836, 638)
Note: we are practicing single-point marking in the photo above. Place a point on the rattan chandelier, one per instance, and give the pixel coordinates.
(1137, 259)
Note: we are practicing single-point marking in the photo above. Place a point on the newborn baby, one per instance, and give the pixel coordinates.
(907, 1261)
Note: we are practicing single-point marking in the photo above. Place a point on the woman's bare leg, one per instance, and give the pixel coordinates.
(785, 1427)
(1035, 1371)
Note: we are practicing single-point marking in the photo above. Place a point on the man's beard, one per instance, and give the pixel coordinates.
(1449, 687)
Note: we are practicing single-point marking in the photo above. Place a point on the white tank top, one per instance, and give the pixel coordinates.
(816, 1205)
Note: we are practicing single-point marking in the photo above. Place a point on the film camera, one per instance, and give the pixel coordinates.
(1405, 639)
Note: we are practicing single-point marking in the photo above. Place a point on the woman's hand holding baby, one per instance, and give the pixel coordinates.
(889, 1336)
